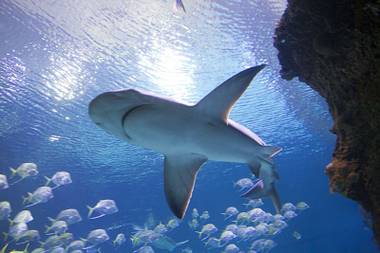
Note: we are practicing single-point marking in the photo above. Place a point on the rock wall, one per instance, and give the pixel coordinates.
(334, 47)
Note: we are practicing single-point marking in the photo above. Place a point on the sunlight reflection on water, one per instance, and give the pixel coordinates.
(71, 51)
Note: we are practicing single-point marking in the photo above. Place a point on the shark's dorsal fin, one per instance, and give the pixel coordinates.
(179, 177)
(218, 102)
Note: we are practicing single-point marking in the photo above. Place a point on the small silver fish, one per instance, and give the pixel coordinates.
(226, 237)
(178, 5)
(102, 208)
(244, 184)
(301, 206)
(57, 227)
(17, 229)
(205, 215)
(25, 216)
(195, 213)
(207, 230)
(173, 223)
(3, 182)
(5, 210)
(41, 195)
(119, 240)
(96, 237)
(60, 178)
(70, 216)
(231, 248)
(28, 236)
(297, 235)
(24, 170)
(230, 211)
(76, 245)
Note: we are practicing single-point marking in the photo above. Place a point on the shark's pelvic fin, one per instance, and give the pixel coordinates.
(271, 151)
(179, 178)
(255, 193)
(219, 101)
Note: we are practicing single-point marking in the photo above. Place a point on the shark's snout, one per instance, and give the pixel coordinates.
(108, 109)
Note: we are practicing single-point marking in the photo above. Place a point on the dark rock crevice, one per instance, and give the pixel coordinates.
(334, 47)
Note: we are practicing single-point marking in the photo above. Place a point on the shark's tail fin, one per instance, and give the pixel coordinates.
(275, 199)
(259, 192)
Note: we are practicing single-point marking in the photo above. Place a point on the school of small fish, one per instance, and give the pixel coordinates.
(247, 229)
(250, 230)
(56, 238)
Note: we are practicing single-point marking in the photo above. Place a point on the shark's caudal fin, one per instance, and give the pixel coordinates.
(275, 199)
(264, 186)
(219, 101)
(179, 178)
(257, 193)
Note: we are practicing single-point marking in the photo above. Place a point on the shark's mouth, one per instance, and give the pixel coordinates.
(123, 119)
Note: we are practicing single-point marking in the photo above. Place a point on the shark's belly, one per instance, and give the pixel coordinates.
(165, 130)
(222, 143)
(178, 130)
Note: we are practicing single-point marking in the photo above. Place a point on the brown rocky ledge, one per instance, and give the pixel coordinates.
(334, 47)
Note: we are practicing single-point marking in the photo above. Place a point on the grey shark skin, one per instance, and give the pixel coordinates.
(189, 135)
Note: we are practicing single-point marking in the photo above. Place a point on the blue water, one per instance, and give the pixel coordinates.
(56, 57)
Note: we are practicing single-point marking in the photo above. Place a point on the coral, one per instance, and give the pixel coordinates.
(334, 47)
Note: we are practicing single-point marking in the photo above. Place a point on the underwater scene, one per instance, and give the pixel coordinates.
(162, 126)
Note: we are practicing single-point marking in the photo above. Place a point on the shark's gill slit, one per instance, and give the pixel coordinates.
(125, 117)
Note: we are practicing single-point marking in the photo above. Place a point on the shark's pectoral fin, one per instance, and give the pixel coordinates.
(218, 102)
(179, 176)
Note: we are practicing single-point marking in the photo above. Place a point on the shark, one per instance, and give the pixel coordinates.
(190, 135)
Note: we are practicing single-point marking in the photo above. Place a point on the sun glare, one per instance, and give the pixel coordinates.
(171, 72)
